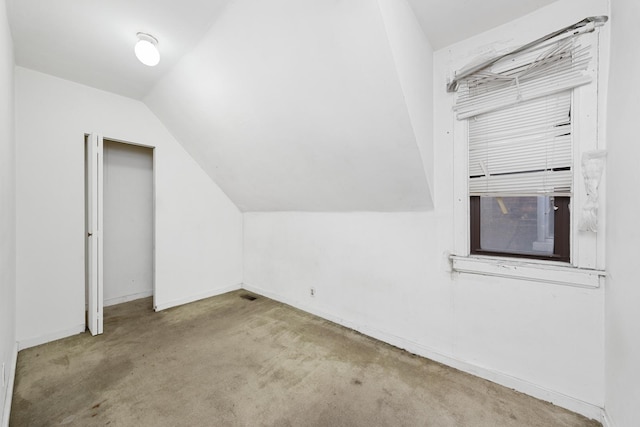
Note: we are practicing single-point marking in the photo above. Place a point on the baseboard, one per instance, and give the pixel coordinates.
(6, 412)
(127, 298)
(584, 408)
(43, 339)
(606, 420)
(165, 305)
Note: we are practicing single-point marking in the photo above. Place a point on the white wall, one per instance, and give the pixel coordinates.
(623, 286)
(388, 275)
(413, 59)
(128, 222)
(198, 230)
(7, 212)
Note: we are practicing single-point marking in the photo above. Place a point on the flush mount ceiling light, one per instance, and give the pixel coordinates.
(147, 50)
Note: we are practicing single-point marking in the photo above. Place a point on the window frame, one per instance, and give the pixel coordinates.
(561, 225)
(586, 249)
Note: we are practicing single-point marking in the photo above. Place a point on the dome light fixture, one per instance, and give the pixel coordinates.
(147, 49)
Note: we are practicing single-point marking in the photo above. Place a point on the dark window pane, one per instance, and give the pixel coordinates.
(520, 225)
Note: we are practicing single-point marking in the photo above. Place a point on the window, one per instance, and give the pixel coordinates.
(520, 150)
(526, 227)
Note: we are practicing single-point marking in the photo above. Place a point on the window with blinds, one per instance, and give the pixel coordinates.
(519, 115)
(522, 149)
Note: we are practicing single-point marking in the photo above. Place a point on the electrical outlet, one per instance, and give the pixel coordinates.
(312, 292)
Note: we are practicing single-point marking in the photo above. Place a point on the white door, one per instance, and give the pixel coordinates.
(94, 234)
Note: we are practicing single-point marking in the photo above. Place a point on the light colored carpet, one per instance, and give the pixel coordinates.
(229, 361)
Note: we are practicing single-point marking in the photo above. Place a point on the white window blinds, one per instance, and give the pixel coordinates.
(520, 125)
(543, 71)
(524, 149)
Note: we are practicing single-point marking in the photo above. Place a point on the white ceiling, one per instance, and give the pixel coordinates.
(91, 41)
(286, 104)
(297, 107)
(445, 22)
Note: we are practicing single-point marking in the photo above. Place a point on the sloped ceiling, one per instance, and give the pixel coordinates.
(296, 105)
(312, 105)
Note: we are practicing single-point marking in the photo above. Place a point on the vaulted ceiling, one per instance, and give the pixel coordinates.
(310, 105)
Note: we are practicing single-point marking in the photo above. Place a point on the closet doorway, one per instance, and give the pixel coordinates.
(120, 225)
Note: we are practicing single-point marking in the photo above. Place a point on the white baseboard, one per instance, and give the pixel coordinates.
(127, 298)
(6, 412)
(165, 305)
(32, 342)
(606, 420)
(584, 408)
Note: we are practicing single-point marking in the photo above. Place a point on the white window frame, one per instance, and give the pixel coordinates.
(586, 267)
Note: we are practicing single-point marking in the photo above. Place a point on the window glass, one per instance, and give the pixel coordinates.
(519, 225)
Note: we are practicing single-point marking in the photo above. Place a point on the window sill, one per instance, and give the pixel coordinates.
(546, 272)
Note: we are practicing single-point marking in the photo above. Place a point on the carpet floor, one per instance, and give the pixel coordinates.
(232, 361)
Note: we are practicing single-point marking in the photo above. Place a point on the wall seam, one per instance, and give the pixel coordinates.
(394, 58)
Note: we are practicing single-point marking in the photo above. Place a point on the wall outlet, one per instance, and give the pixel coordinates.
(312, 292)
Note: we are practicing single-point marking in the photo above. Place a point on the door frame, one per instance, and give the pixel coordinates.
(95, 288)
